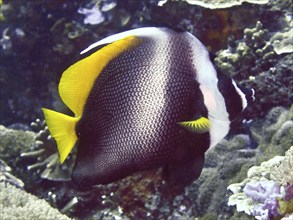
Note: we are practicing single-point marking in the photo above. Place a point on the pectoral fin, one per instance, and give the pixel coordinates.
(200, 125)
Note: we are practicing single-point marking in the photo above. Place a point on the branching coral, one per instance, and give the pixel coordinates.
(252, 55)
(282, 173)
(45, 156)
(7, 177)
(268, 191)
(254, 61)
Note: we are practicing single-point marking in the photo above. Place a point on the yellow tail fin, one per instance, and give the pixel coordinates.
(62, 129)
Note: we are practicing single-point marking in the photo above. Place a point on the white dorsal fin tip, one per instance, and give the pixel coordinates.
(145, 31)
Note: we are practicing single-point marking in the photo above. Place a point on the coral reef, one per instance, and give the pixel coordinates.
(282, 42)
(7, 177)
(15, 203)
(44, 158)
(18, 204)
(253, 42)
(268, 190)
(12, 143)
(218, 4)
(44, 39)
(253, 61)
(229, 162)
(282, 172)
(262, 59)
(225, 164)
(275, 137)
(223, 4)
(245, 58)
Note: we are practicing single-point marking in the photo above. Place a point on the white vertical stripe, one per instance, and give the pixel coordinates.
(214, 101)
(241, 94)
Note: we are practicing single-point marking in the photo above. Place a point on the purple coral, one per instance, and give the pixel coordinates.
(265, 193)
(92, 16)
(261, 190)
(288, 192)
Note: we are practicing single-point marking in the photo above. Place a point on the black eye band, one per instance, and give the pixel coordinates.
(225, 85)
(232, 99)
(249, 94)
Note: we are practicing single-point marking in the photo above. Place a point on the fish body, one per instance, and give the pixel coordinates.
(152, 99)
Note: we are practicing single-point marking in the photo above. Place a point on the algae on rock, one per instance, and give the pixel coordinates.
(252, 55)
(18, 204)
(13, 142)
(254, 62)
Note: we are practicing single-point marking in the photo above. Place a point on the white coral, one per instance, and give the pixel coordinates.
(18, 204)
(279, 169)
(283, 172)
(218, 3)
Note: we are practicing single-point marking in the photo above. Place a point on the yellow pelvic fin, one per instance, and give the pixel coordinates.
(62, 129)
(77, 81)
(201, 125)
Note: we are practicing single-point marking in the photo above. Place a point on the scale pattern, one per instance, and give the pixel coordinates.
(130, 119)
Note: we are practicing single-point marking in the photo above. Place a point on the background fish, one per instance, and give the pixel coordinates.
(147, 98)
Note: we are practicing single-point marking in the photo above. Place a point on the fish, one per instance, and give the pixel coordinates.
(144, 99)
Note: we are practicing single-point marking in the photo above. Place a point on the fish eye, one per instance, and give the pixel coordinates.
(225, 85)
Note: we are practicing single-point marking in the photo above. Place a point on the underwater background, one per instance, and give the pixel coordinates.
(252, 41)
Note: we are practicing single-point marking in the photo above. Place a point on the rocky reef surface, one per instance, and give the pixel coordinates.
(16, 203)
(251, 41)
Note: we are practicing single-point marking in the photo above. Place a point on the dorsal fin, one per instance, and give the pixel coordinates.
(139, 32)
(77, 81)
